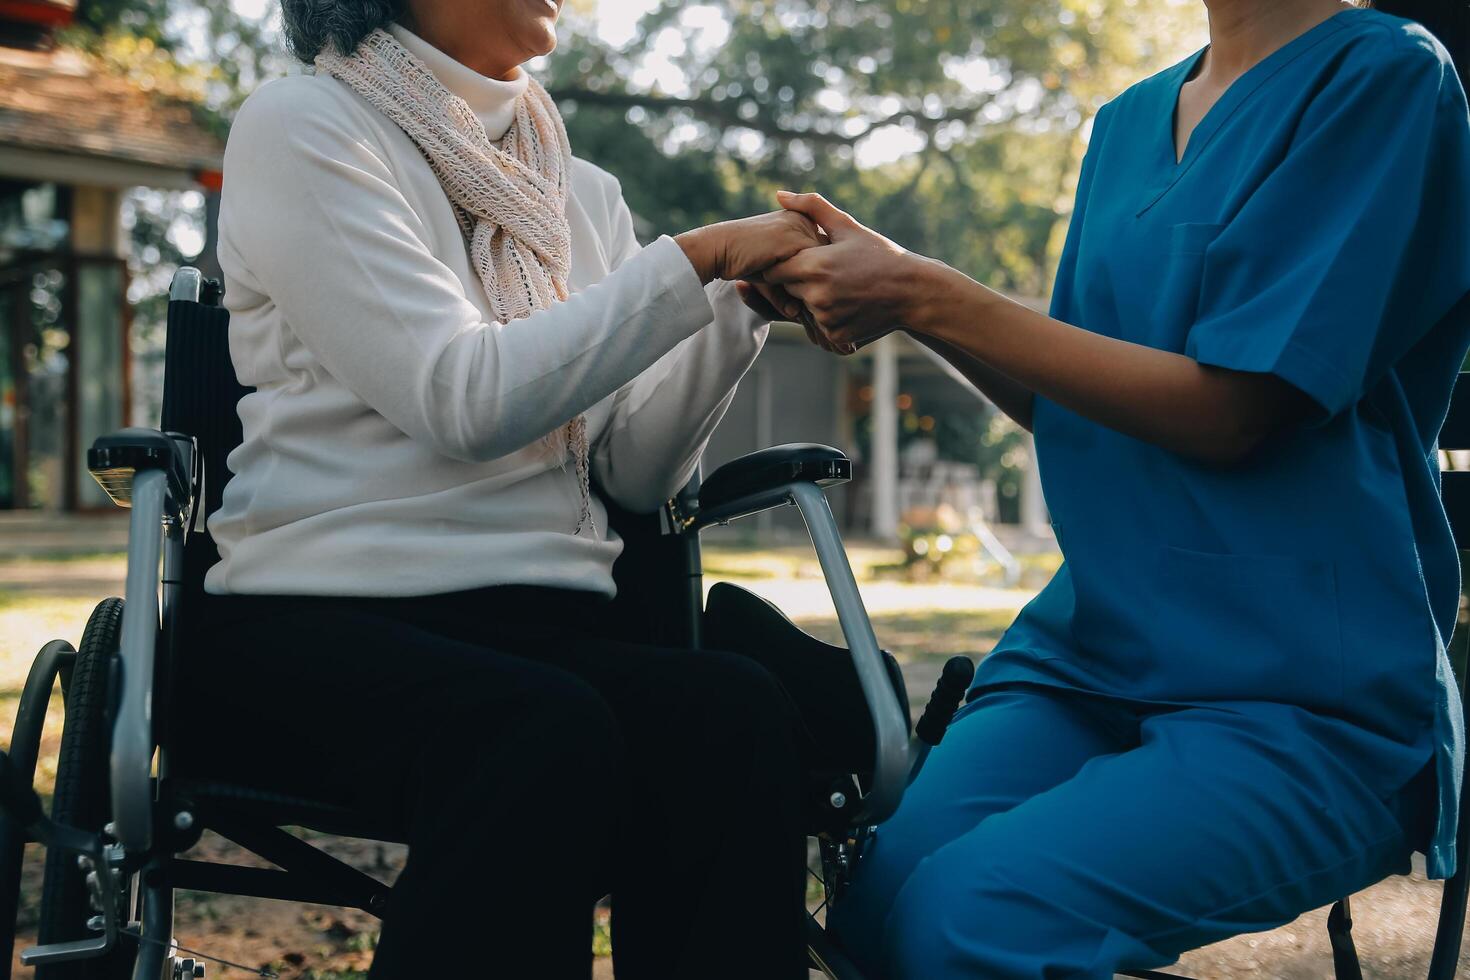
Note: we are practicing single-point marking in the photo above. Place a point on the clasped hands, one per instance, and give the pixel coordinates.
(814, 264)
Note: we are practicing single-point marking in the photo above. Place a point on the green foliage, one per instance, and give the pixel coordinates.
(992, 96)
(139, 18)
(201, 51)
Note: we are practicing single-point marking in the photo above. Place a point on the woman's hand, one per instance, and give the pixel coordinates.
(745, 247)
(860, 287)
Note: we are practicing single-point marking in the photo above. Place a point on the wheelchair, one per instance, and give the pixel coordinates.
(121, 816)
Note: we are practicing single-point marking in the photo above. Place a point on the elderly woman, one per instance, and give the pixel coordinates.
(1232, 704)
(454, 337)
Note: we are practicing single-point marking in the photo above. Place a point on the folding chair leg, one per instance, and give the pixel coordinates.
(1345, 964)
(25, 746)
(1450, 935)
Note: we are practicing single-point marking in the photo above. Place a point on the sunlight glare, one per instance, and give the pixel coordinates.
(254, 9)
(888, 144)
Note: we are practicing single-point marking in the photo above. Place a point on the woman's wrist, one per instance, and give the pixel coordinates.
(703, 249)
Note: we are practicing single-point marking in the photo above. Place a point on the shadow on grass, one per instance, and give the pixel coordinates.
(927, 636)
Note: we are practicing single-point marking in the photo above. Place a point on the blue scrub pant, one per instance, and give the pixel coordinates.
(1057, 834)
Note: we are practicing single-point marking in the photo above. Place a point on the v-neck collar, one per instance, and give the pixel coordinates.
(1234, 96)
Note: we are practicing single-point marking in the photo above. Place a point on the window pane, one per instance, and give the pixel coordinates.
(9, 409)
(99, 366)
(47, 358)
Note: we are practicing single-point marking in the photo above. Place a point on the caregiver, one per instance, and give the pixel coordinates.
(1232, 704)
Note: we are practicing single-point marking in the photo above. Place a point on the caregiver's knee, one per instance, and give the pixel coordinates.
(953, 918)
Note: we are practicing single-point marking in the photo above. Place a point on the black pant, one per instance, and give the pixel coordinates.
(536, 766)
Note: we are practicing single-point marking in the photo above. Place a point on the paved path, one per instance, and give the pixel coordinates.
(31, 533)
(809, 598)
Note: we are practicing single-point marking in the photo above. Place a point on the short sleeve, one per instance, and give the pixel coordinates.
(1358, 242)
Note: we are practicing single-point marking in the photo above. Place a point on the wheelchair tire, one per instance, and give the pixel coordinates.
(83, 798)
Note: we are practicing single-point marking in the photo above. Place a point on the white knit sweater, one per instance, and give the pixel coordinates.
(391, 445)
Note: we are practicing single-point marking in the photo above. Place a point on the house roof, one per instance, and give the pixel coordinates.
(48, 13)
(64, 102)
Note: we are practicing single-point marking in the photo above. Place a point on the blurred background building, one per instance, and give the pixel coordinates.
(74, 136)
(919, 431)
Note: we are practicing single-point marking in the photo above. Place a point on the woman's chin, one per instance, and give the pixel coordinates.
(540, 41)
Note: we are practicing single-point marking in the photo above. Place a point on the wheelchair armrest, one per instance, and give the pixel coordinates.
(760, 480)
(154, 475)
(116, 459)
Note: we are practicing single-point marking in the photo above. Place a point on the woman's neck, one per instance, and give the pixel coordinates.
(441, 25)
(1243, 32)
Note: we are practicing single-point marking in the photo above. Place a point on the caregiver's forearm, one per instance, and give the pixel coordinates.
(1008, 395)
(1160, 397)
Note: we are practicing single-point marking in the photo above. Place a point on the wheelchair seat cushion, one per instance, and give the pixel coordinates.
(236, 801)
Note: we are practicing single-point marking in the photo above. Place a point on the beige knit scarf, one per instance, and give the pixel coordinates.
(510, 195)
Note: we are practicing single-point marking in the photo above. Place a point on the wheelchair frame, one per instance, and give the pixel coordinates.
(163, 478)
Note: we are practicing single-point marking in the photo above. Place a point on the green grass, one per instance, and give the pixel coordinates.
(601, 937)
(65, 557)
(797, 561)
(27, 622)
(928, 634)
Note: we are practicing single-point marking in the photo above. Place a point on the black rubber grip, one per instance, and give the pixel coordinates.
(18, 800)
(954, 681)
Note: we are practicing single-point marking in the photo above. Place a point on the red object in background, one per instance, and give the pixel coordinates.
(47, 13)
(210, 180)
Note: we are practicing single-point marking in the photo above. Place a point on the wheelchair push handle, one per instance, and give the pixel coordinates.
(949, 691)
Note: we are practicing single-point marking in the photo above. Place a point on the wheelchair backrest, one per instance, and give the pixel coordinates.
(201, 395)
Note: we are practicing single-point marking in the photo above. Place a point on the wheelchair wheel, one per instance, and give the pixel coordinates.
(83, 799)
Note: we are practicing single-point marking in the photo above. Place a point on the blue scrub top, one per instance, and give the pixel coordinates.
(1318, 229)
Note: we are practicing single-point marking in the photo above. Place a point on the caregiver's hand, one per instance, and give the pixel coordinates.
(745, 247)
(859, 287)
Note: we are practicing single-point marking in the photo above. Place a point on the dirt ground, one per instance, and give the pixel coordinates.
(1394, 926)
(1394, 921)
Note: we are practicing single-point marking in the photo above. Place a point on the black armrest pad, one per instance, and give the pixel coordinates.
(774, 467)
(132, 449)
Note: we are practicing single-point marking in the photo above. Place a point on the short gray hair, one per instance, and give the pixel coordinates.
(313, 25)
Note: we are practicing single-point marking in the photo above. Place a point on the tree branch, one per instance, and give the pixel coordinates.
(726, 114)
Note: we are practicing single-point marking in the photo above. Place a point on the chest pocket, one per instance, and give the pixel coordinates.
(1176, 304)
